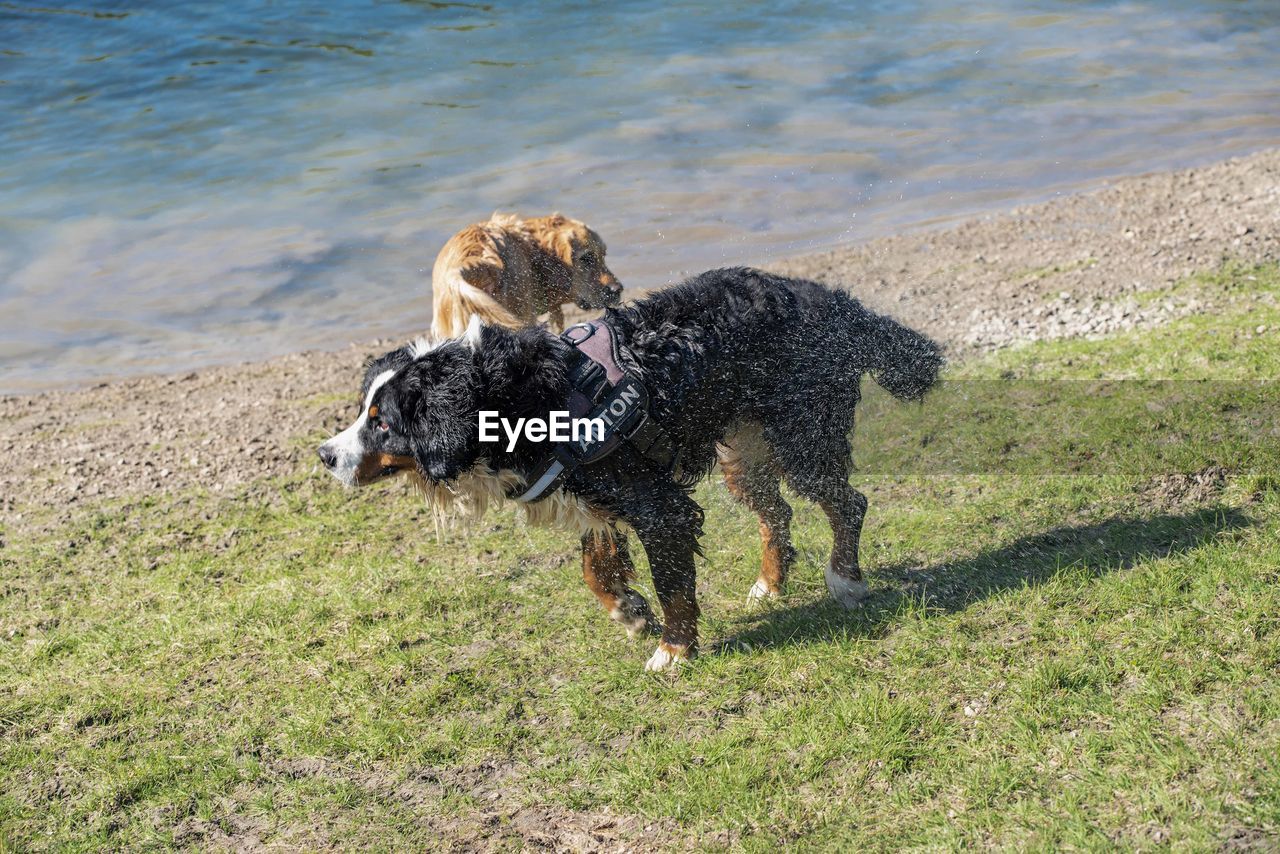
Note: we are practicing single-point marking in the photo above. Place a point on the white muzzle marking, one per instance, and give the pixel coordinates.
(346, 446)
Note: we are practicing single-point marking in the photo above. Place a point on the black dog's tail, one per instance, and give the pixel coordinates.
(903, 362)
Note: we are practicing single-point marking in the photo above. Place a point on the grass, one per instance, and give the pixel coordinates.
(1047, 660)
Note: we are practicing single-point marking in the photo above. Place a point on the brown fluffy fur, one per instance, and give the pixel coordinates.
(507, 271)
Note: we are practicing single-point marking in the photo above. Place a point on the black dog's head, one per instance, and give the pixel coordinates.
(421, 403)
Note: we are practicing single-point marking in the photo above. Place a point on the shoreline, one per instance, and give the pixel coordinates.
(827, 258)
(799, 257)
(1074, 265)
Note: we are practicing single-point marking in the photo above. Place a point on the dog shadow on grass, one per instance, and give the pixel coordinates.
(1096, 549)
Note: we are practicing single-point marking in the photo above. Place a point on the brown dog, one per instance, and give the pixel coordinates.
(509, 270)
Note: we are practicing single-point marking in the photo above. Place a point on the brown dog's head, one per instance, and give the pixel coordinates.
(591, 284)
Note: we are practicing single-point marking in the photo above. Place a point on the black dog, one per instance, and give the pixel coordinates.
(767, 367)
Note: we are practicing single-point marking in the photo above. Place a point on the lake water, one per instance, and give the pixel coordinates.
(188, 183)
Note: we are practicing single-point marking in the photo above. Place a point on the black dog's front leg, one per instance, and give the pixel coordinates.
(608, 571)
(669, 529)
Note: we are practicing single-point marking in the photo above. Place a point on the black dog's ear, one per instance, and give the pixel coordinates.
(523, 370)
(497, 356)
(437, 396)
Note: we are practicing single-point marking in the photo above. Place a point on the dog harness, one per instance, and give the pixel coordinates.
(601, 388)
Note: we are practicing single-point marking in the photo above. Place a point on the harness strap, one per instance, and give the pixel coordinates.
(654, 442)
(601, 388)
(551, 473)
(596, 342)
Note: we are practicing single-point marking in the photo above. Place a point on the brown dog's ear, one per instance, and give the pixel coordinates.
(556, 234)
(486, 276)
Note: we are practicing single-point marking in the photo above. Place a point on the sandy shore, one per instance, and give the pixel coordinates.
(1069, 267)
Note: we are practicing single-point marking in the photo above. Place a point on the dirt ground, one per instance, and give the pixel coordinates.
(1072, 266)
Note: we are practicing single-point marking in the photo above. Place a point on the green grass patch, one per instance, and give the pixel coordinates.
(1049, 658)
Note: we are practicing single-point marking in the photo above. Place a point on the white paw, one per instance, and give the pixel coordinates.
(661, 659)
(849, 593)
(633, 614)
(635, 624)
(759, 592)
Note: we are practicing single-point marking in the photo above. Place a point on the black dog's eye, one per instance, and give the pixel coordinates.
(587, 258)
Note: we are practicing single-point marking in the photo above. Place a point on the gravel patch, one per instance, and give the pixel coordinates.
(1068, 267)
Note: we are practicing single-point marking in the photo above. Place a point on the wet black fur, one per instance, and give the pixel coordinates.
(725, 347)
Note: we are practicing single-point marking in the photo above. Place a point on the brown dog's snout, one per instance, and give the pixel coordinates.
(612, 289)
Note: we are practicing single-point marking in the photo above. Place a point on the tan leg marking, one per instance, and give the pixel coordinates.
(667, 655)
(755, 484)
(607, 569)
(679, 631)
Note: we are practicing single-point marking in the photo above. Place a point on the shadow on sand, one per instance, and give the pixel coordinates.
(1100, 548)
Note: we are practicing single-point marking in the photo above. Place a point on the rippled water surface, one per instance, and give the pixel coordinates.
(186, 183)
